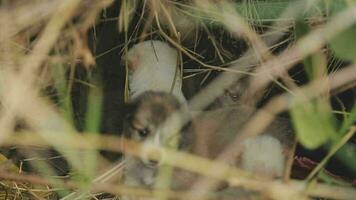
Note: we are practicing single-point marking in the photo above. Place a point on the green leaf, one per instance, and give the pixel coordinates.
(94, 110)
(271, 10)
(344, 44)
(314, 123)
(347, 154)
(348, 121)
(61, 85)
(327, 178)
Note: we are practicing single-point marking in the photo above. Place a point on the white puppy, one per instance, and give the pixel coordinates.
(153, 67)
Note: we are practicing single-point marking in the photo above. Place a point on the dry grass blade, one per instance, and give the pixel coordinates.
(18, 18)
(23, 81)
(189, 162)
(48, 37)
(304, 47)
(22, 98)
(215, 88)
(41, 35)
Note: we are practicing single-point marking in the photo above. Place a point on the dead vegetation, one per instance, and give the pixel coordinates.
(44, 42)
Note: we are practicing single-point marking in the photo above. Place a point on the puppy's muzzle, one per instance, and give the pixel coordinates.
(152, 158)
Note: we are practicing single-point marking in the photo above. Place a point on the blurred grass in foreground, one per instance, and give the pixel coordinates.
(54, 32)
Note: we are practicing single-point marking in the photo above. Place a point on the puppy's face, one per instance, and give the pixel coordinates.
(151, 120)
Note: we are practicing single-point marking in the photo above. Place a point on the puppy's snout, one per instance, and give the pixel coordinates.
(152, 158)
(153, 162)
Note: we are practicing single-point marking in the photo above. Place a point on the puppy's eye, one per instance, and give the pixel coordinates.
(143, 132)
(233, 96)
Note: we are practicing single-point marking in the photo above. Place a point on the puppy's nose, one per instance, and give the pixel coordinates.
(153, 162)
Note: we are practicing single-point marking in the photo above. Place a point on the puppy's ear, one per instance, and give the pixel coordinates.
(129, 110)
(131, 107)
(133, 58)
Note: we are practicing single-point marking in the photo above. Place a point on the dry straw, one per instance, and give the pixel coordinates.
(41, 34)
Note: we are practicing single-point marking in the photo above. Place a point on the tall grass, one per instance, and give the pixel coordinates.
(49, 37)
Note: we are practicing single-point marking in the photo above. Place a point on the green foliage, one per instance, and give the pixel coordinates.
(348, 121)
(92, 119)
(344, 45)
(314, 123)
(347, 154)
(63, 90)
(265, 11)
(262, 10)
(94, 110)
(313, 120)
(92, 125)
(327, 178)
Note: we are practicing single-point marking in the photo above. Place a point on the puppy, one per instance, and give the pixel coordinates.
(153, 66)
(150, 119)
(154, 96)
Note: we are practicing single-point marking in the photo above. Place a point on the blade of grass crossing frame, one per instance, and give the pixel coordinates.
(61, 86)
